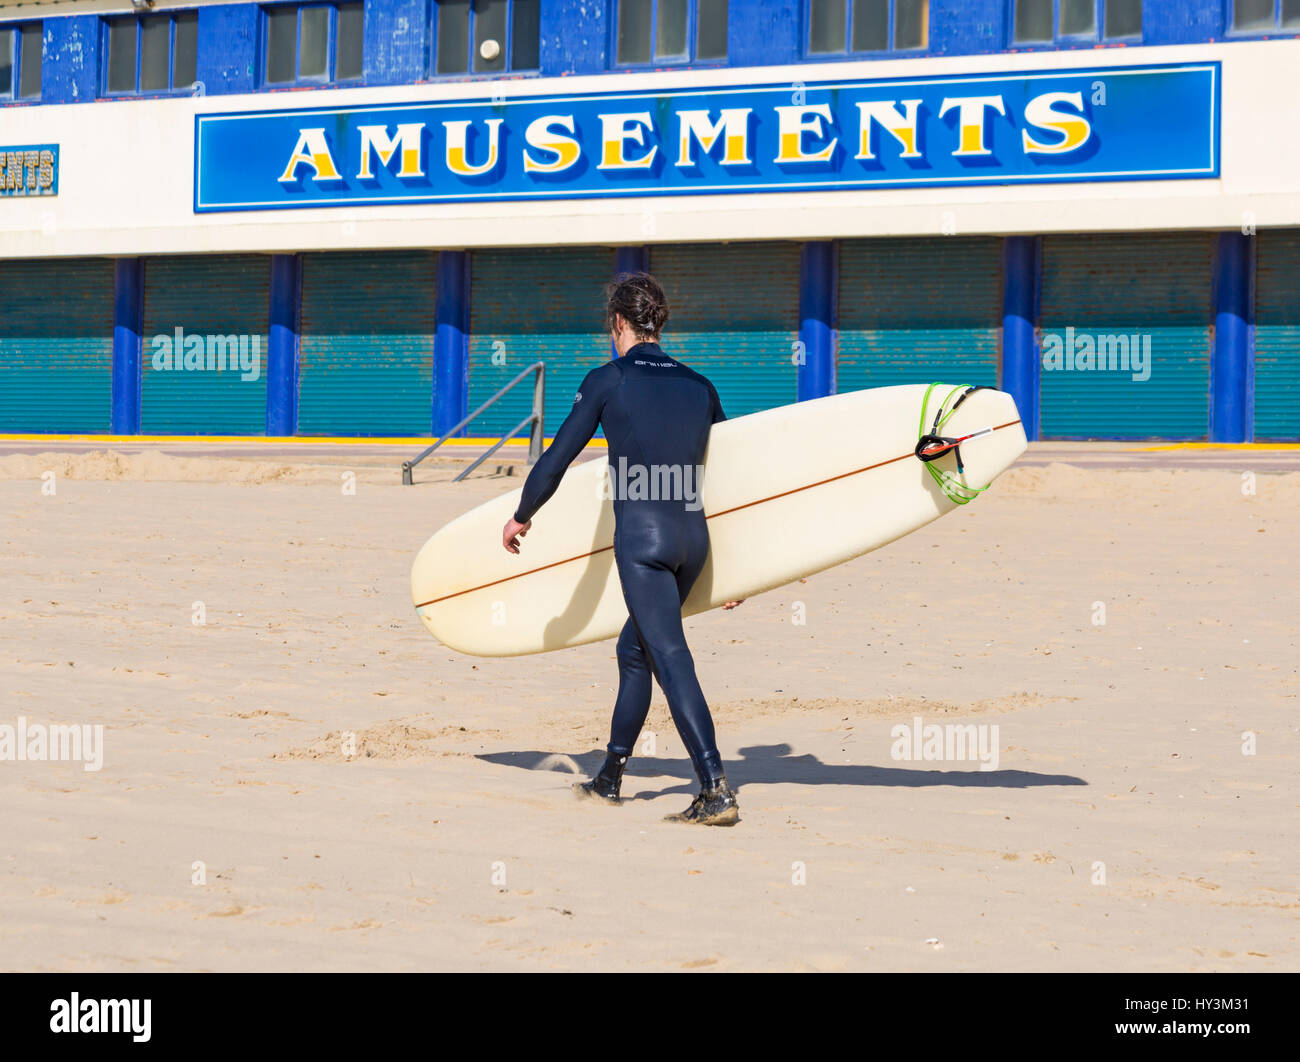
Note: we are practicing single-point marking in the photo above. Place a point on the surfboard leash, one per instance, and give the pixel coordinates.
(931, 446)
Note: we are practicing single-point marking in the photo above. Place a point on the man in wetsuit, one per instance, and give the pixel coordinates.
(657, 414)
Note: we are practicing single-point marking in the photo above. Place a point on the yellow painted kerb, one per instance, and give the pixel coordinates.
(1217, 446)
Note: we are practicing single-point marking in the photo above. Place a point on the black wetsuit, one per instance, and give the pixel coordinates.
(656, 413)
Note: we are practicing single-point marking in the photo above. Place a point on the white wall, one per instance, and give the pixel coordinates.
(126, 174)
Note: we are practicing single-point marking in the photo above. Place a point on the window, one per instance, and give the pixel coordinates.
(670, 31)
(1260, 16)
(1067, 21)
(313, 43)
(20, 61)
(485, 36)
(844, 27)
(156, 53)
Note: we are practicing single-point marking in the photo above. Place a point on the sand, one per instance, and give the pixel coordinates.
(307, 781)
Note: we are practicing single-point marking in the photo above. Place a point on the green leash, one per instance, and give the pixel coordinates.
(933, 445)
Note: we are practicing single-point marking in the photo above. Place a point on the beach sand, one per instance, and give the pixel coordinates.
(1124, 827)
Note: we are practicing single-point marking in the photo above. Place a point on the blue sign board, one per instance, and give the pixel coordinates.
(32, 169)
(1117, 123)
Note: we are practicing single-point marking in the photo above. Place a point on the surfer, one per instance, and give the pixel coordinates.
(657, 414)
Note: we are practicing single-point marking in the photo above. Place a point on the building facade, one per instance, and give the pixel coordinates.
(364, 217)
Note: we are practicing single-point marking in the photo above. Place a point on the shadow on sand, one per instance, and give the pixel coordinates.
(774, 765)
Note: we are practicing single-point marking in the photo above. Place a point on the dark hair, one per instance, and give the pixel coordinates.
(640, 301)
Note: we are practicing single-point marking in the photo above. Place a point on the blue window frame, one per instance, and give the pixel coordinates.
(21, 50)
(865, 27)
(1250, 17)
(150, 54)
(484, 36)
(664, 32)
(1043, 23)
(312, 44)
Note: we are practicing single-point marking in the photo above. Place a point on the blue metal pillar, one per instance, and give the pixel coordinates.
(1021, 369)
(1230, 361)
(282, 345)
(128, 321)
(451, 342)
(818, 281)
(631, 260)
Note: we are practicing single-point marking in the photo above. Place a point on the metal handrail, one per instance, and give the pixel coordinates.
(534, 418)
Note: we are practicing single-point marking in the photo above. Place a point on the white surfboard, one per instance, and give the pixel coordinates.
(787, 492)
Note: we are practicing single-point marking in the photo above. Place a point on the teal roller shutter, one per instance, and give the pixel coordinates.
(919, 310)
(734, 316)
(1121, 293)
(1277, 335)
(365, 354)
(216, 384)
(544, 304)
(56, 345)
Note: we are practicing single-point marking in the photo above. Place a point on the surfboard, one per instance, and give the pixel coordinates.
(787, 492)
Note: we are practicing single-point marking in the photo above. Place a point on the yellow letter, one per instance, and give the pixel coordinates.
(314, 150)
(615, 131)
(1074, 129)
(794, 122)
(540, 135)
(732, 123)
(902, 127)
(970, 120)
(457, 152)
(406, 139)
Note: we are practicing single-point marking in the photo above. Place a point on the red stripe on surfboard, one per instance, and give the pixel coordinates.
(710, 516)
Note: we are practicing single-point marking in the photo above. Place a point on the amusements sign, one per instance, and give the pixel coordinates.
(32, 169)
(1118, 123)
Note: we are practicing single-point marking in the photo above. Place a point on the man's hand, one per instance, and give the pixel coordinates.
(732, 604)
(512, 533)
